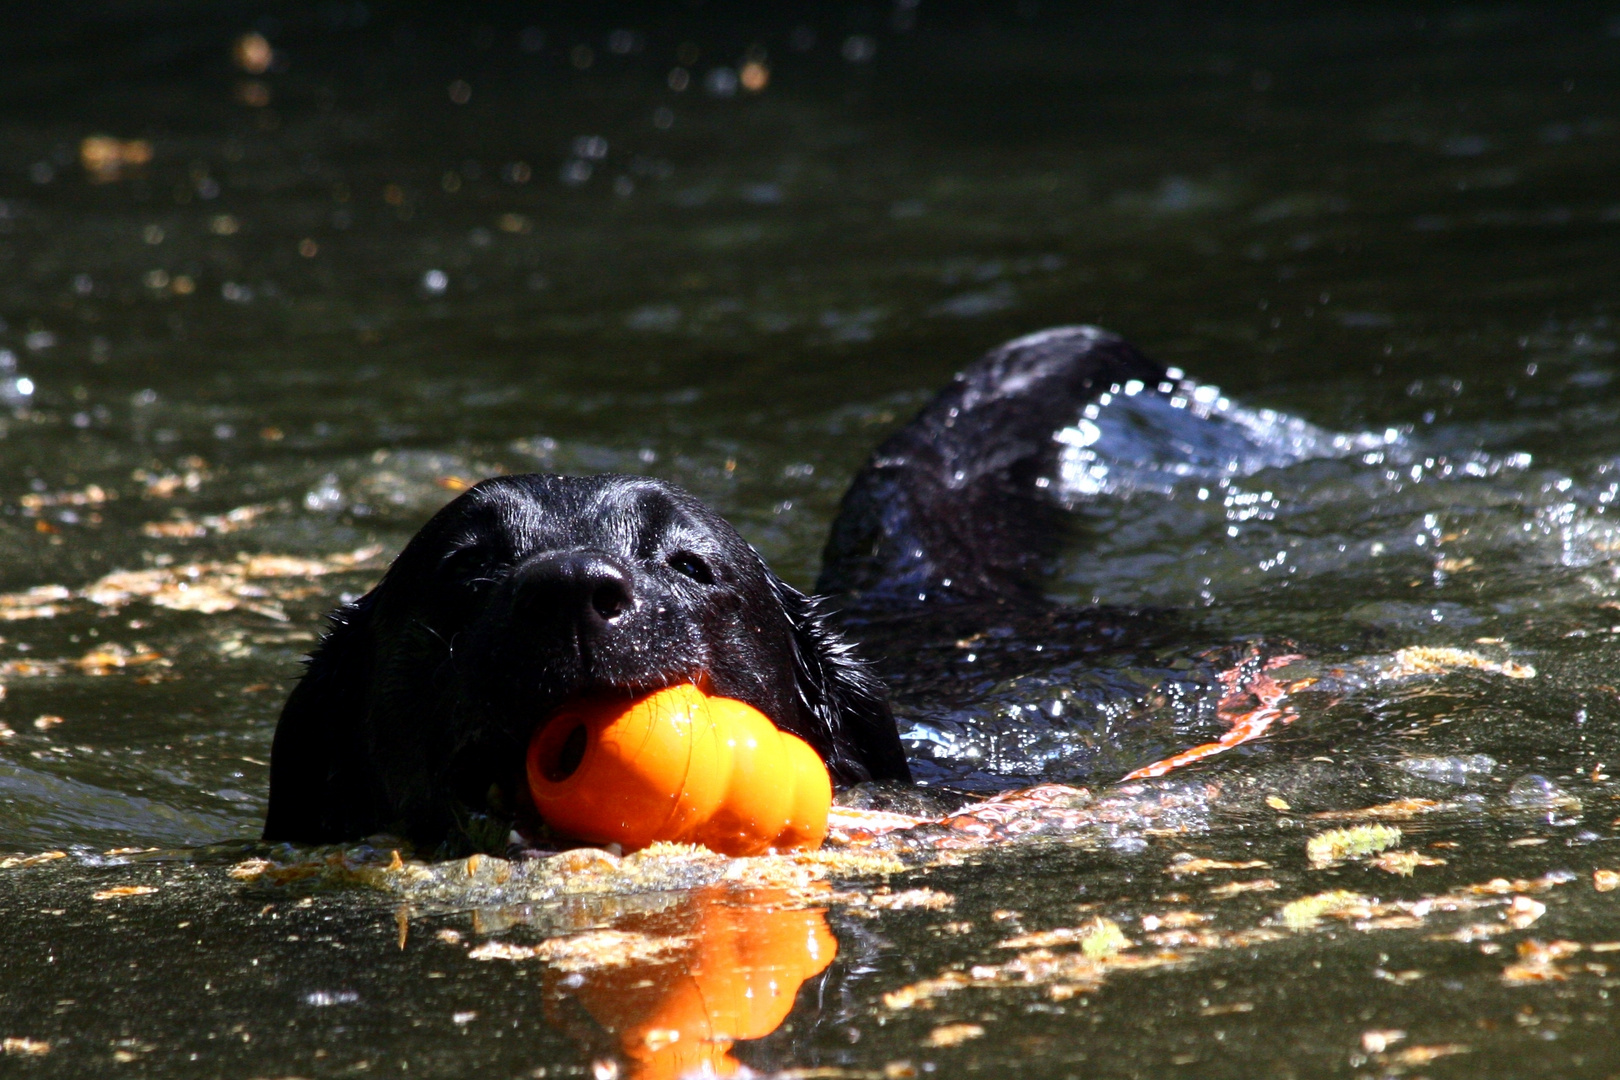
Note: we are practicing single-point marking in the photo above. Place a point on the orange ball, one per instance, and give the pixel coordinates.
(678, 765)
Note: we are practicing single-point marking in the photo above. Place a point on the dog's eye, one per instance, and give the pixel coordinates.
(692, 566)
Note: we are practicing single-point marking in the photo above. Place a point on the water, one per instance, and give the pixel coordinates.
(423, 247)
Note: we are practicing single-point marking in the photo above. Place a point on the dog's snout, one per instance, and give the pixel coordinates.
(588, 585)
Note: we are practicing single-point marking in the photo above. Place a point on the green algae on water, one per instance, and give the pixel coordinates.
(1307, 911)
(1336, 845)
(1103, 937)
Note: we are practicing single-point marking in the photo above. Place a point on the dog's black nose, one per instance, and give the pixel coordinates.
(589, 585)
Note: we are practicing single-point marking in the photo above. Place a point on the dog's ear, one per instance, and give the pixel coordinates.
(847, 706)
(320, 790)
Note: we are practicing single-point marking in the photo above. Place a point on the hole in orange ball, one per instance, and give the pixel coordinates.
(566, 755)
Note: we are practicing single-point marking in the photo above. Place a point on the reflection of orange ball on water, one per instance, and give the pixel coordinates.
(736, 979)
(677, 765)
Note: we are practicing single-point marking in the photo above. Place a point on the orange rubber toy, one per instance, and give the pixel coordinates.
(678, 765)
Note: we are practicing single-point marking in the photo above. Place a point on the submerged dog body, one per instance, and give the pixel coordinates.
(527, 591)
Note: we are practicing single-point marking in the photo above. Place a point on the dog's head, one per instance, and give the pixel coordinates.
(521, 594)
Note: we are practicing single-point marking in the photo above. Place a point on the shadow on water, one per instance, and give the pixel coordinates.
(277, 283)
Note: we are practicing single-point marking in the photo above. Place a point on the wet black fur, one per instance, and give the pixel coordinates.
(953, 503)
(528, 590)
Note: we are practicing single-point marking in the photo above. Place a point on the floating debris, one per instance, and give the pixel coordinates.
(40, 602)
(927, 899)
(1404, 862)
(1336, 845)
(1505, 887)
(1174, 920)
(586, 952)
(101, 660)
(1237, 888)
(1043, 810)
(92, 495)
(105, 659)
(256, 583)
(1376, 1042)
(1254, 701)
(1186, 864)
(1432, 660)
(485, 880)
(1103, 937)
(1420, 1055)
(252, 53)
(1473, 932)
(954, 1034)
(183, 527)
(1306, 912)
(118, 891)
(1538, 962)
(909, 996)
(1063, 974)
(17, 1045)
(1522, 912)
(165, 485)
(1399, 810)
(105, 158)
(1099, 937)
(1399, 978)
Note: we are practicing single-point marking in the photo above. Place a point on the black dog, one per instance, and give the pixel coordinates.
(521, 594)
(530, 590)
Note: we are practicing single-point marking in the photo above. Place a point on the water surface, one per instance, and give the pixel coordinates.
(425, 246)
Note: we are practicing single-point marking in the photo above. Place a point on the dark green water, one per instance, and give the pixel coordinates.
(336, 292)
